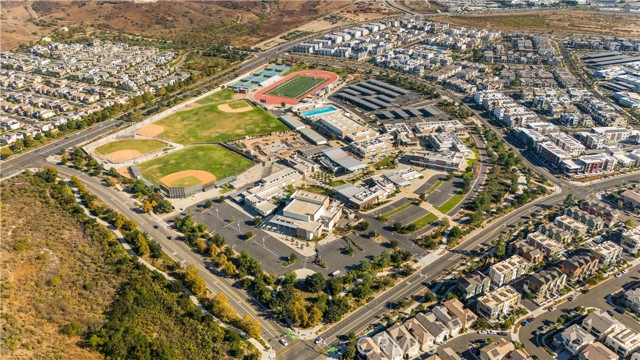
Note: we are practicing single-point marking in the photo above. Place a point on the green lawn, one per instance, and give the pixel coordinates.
(451, 203)
(397, 210)
(207, 123)
(434, 187)
(222, 95)
(211, 158)
(386, 163)
(187, 181)
(296, 87)
(142, 145)
(424, 221)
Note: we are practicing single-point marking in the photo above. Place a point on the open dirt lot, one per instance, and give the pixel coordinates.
(187, 22)
(280, 145)
(561, 21)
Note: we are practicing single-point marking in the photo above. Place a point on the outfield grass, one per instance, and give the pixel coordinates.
(397, 210)
(222, 95)
(144, 146)
(296, 87)
(207, 123)
(451, 203)
(424, 221)
(434, 187)
(211, 158)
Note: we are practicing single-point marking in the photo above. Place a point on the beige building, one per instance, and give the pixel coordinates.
(308, 215)
(504, 271)
(498, 302)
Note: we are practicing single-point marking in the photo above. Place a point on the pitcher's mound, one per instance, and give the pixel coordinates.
(229, 109)
(151, 130)
(185, 178)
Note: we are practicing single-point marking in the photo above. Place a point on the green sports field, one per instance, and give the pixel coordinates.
(211, 158)
(296, 87)
(222, 95)
(208, 123)
(143, 146)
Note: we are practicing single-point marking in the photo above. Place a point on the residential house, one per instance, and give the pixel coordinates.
(597, 209)
(401, 335)
(451, 322)
(556, 233)
(498, 302)
(624, 342)
(570, 224)
(526, 251)
(510, 269)
(551, 248)
(388, 346)
(632, 300)
(472, 285)
(574, 339)
(630, 240)
(439, 331)
(497, 350)
(371, 349)
(631, 199)
(544, 284)
(600, 324)
(579, 267)
(457, 308)
(606, 252)
(424, 337)
(597, 351)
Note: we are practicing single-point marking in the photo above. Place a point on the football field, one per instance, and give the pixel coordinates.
(296, 87)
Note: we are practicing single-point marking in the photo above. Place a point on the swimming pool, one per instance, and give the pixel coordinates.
(320, 111)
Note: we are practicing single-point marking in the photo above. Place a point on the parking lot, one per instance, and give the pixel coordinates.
(233, 224)
(445, 191)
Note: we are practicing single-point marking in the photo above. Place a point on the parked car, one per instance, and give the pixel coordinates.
(553, 308)
(618, 275)
(571, 298)
(619, 309)
(318, 341)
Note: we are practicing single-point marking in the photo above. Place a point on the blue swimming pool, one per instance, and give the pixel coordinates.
(320, 111)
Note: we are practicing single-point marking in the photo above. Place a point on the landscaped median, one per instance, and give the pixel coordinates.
(451, 203)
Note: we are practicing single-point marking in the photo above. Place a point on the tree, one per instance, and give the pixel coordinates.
(147, 207)
(257, 221)
(570, 200)
(315, 316)
(193, 281)
(315, 283)
(222, 199)
(251, 326)
(393, 244)
(501, 247)
(207, 204)
(48, 174)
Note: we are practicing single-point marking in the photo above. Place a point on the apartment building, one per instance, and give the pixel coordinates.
(545, 284)
(551, 248)
(498, 303)
(505, 271)
(472, 285)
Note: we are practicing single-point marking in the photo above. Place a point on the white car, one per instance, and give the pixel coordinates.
(571, 298)
(318, 341)
(553, 308)
(625, 271)
(618, 275)
(283, 342)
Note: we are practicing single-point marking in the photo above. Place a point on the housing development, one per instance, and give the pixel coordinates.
(386, 188)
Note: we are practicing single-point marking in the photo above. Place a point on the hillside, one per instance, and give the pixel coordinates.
(70, 291)
(235, 22)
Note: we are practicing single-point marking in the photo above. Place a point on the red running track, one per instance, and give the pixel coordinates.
(260, 95)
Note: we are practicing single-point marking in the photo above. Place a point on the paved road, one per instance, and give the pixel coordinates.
(360, 320)
(595, 298)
